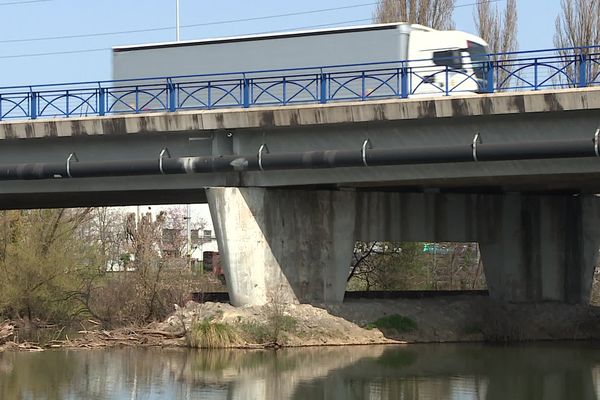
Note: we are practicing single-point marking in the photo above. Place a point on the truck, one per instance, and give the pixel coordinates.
(439, 62)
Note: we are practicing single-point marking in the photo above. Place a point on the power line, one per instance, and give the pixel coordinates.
(154, 29)
(15, 3)
(477, 3)
(54, 53)
(282, 15)
(109, 48)
(165, 28)
(85, 35)
(317, 26)
(231, 21)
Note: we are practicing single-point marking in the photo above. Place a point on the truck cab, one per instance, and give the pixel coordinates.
(446, 62)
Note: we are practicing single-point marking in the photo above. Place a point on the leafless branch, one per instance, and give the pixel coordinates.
(577, 25)
(436, 14)
(499, 30)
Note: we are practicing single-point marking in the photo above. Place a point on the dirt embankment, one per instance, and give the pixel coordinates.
(476, 318)
(439, 319)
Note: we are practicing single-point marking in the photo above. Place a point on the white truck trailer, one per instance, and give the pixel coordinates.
(431, 52)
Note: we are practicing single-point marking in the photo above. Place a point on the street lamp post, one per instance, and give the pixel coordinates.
(189, 247)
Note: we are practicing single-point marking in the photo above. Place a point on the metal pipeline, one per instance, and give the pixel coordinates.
(264, 161)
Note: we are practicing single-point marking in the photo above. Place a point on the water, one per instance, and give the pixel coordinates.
(417, 372)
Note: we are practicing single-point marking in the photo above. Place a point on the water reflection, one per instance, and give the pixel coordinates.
(420, 372)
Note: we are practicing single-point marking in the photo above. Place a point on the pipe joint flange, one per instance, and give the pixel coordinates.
(160, 159)
(476, 141)
(71, 156)
(363, 152)
(597, 142)
(263, 148)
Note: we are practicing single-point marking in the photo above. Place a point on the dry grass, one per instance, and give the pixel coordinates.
(211, 335)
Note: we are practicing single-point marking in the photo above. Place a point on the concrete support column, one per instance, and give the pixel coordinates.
(290, 244)
(541, 248)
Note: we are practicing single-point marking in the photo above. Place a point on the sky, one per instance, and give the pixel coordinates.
(23, 20)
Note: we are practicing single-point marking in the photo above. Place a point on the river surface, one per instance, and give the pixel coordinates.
(423, 372)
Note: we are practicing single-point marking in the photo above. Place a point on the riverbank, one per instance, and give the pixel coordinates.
(476, 319)
(354, 322)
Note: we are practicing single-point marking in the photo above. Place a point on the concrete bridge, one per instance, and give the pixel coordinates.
(292, 188)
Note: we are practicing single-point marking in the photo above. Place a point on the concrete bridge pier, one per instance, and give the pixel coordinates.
(283, 245)
(296, 245)
(541, 247)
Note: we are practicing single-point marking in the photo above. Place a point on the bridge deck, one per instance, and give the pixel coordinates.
(568, 114)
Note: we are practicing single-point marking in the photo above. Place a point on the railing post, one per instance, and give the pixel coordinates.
(404, 82)
(284, 90)
(490, 77)
(208, 95)
(101, 102)
(172, 96)
(33, 105)
(535, 74)
(246, 92)
(582, 70)
(447, 81)
(0, 107)
(363, 89)
(323, 87)
(67, 104)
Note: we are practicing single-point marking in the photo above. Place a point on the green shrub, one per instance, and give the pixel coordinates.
(283, 323)
(211, 335)
(396, 322)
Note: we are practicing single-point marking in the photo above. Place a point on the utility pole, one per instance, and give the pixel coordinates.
(177, 20)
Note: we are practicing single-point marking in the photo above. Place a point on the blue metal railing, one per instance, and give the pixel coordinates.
(516, 71)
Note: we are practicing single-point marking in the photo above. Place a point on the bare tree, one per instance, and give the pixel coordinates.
(577, 25)
(499, 30)
(388, 266)
(106, 229)
(436, 14)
